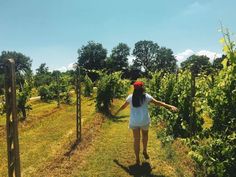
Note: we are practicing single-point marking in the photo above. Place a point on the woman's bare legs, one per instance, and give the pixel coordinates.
(136, 135)
(145, 141)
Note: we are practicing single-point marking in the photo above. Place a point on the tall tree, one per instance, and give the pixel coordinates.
(217, 62)
(197, 64)
(145, 53)
(165, 60)
(42, 76)
(151, 57)
(92, 56)
(23, 77)
(118, 59)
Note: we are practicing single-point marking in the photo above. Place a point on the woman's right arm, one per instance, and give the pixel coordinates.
(122, 107)
(160, 103)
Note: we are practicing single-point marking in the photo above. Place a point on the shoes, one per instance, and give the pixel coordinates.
(146, 156)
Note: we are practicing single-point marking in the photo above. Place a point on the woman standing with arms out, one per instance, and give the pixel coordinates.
(139, 116)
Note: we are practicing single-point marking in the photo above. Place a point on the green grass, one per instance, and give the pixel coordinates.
(107, 151)
(44, 133)
(112, 154)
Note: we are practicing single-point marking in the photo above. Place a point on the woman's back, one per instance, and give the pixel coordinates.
(139, 116)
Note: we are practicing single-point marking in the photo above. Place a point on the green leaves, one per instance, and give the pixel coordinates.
(109, 87)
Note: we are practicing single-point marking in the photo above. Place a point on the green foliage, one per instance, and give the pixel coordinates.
(215, 149)
(217, 63)
(23, 78)
(145, 53)
(58, 87)
(92, 56)
(197, 64)
(175, 89)
(109, 87)
(43, 76)
(23, 63)
(22, 100)
(88, 86)
(118, 61)
(44, 93)
(153, 58)
(222, 96)
(215, 155)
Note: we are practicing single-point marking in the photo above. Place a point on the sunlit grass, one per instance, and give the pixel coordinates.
(44, 133)
(112, 153)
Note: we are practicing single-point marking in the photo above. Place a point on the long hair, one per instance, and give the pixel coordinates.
(138, 97)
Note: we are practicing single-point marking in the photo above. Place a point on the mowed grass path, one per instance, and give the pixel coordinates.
(111, 154)
(44, 139)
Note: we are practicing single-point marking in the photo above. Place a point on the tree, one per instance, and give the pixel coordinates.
(42, 76)
(92, 56)
(165, 60)
(118, 60)
(23, 77)
(145, 53)
(152, 58)
(197, 64)
(217, 63)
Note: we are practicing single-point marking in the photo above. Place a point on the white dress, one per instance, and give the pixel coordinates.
(139, 116)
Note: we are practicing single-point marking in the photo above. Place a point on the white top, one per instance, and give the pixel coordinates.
(139, 116)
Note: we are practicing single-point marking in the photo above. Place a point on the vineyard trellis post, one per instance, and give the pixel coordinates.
(58, 89)
(78, 104)
(11, 120)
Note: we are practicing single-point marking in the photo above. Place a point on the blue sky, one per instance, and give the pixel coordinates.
(51, 31)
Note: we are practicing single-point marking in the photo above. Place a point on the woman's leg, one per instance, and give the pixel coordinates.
(145, 141)
(136, 135)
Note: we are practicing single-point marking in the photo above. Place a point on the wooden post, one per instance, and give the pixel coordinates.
(58, 89)
(78, 105)
(11, 120)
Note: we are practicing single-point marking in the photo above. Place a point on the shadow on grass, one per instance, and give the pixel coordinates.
(138, 170)
(72, 148)
(114, 118)
(118, 118)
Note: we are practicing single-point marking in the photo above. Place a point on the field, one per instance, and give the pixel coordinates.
(47, 145)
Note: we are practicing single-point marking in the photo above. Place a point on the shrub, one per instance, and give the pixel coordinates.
(88, 86)
(45, 93)
(110, 87)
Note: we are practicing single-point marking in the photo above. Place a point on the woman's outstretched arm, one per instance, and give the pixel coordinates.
(160, 103)
(122, 107)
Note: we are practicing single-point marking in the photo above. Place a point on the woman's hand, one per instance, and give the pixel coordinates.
(174, 109)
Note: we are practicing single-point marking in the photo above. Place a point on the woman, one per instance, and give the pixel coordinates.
(139, 117)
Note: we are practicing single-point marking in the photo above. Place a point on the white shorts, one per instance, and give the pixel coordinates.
(145, 127)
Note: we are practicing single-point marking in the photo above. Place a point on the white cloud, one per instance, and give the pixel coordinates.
(71, 66)
(184, 55)
(65, 68)
(188, 52)
(130, 59)
(209, 54)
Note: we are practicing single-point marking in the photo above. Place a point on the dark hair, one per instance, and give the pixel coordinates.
(138, 97)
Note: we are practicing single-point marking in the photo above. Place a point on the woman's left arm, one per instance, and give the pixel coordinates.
(160, 103)
(122, 107)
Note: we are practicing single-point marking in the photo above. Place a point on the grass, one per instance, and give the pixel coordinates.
(44, 133)
(112, 154)
(46, 145)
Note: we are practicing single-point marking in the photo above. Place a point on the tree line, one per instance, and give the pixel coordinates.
(148, 57)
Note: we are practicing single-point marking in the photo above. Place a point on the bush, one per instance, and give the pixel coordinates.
(215, 154)
(88, 86)
(110, 87)
(45, 93)
(175, 89)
